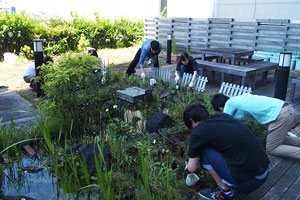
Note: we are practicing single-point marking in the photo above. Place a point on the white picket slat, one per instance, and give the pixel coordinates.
(232, 90)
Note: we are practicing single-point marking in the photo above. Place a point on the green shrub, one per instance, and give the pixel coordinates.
(27, 52)
(69, 83)
(16, 30)
(61, 36)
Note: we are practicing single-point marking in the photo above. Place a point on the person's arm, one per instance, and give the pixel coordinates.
(194, 76)
(142, 57)
(195, 65)
(193, 163)
(159, 49)
(229, 108)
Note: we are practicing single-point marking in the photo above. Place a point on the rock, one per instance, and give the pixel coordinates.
(87, 153)
(157, 121)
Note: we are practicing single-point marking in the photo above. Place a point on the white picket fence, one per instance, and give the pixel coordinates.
(163, 74)
(199, 84)
(232, 90)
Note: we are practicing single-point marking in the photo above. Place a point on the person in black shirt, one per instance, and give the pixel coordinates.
(187, 64)
(227, 149)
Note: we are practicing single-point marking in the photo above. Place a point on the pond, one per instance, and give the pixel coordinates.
(32, 177)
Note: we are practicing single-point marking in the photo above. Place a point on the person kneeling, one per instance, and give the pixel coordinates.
(187, 64)
(227, 149)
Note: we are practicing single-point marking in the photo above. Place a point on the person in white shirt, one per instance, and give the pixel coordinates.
(30, 71)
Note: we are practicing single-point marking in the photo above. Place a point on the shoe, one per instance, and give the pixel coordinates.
(218, 194)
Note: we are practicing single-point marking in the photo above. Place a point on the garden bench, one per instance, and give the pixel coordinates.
(294, 82)
(163, 74)
(232, 90)
(199, 84)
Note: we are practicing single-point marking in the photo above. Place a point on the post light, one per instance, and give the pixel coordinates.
(38, 45)
(169, 48)
(38, 60)
(282, 75)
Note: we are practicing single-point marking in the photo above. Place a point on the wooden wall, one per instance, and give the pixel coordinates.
(274, 35)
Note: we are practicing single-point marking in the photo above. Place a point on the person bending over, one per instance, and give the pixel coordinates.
(93, 52)
(30, 72)
(227, 149)
(278, 115)
(187, 64)
(149, 50)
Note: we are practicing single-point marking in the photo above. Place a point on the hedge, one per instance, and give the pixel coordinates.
(18, 30)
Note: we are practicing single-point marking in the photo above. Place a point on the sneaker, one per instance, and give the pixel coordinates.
(218, 194)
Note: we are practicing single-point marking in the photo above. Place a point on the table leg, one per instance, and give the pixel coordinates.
(252, 80)
(250, 59)
(264, 75)
(202, 56)
(232, 61)
(222, 77)
(243, 80)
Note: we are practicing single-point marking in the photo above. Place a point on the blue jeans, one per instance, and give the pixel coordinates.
(212, 159)
(183, 70)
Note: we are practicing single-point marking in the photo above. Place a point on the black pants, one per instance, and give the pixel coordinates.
(135, 61)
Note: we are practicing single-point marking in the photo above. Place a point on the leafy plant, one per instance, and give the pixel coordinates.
(83, 43)
(174, 46)
(164, 13)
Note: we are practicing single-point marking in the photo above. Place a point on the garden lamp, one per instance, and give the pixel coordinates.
(282, 75)
(38, 60)
(169, 48)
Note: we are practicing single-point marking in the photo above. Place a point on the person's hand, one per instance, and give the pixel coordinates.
(143, 75)
(186, 166)
(191, 84)
(176, 78)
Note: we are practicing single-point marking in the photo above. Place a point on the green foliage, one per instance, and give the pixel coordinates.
(61, 36)
(70, 84)
(27, 52)
(189, 51)
(83, 43)
(16, 30)
(174, 45)
(164, 13)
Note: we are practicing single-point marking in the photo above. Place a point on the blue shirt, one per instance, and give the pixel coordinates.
(146, 52)
(254, 107)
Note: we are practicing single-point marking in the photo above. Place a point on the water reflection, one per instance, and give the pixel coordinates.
(31, 177)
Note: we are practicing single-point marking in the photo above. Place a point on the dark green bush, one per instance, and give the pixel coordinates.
(61, 36)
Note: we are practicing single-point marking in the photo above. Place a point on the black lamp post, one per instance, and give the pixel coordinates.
(169, 48)
(282, 75)
(38, 60)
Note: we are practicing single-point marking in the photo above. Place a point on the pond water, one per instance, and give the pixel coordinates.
(31, 177)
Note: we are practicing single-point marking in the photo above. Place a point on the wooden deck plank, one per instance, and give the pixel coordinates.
(273, 177)
(284, 183)
(274, 161)
(293, 193)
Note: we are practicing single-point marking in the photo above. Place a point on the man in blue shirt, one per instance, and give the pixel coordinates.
(279, 116)
(149, 49)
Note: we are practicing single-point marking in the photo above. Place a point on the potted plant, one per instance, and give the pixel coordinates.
(175, 56)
